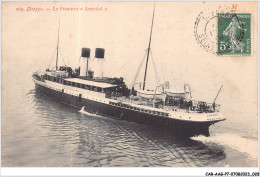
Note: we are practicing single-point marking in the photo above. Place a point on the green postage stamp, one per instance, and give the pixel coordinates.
(234, 34)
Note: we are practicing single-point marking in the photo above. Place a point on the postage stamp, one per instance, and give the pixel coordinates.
(234, 34)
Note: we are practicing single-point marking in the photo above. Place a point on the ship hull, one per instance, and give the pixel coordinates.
(177, 127)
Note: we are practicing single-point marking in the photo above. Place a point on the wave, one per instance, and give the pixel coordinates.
(237, 142)
(87, 113)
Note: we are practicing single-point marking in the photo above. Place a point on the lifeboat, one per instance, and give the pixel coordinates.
(177, 94)
(150, 94)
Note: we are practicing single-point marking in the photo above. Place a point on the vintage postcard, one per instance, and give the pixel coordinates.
(129, 84)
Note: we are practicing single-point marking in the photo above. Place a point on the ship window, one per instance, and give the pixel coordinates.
(93, 88)
(78, 85)
(65, 82)
(99, 89)
(88, 87)
(82, 85)
(54, 79)
(73, 84)
(58, 80)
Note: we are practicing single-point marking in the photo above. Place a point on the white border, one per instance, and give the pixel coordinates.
(112, 171)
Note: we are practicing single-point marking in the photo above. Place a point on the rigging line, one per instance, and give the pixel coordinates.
(78, 64)
(62, 57)
(138, 71)
(155, 70)
(52, 58)
(167, 77)
(166, 72)
(58, 47)
(79, 31)
(123, 66)
(163, 72)
(126, 64)
(165, 69)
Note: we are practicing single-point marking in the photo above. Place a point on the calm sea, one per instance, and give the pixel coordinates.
(38, 131)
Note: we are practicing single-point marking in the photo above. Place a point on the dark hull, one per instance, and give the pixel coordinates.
(179, 128)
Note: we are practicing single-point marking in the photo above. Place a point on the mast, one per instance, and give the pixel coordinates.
(58, 48)
(148, 51)
(218, 93)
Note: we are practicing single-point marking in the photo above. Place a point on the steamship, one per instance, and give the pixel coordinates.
(160, 107)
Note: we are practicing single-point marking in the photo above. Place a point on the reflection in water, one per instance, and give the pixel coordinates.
(45, 132)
